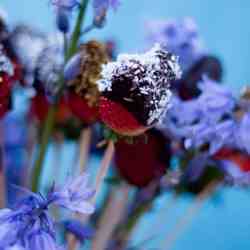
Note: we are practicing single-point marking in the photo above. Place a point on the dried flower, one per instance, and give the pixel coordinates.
(92, 56)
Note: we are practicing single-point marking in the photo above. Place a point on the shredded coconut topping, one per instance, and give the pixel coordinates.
(149, 74)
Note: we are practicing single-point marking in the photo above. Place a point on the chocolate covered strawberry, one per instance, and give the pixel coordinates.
(135, 90)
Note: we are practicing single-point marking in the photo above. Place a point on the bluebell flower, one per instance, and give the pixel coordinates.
(100, 10)
(63, 9)
(202, 120)
(216, 100)
(76, 195)
(72, 68)
(81, 231)
(29, 225)
(180, 38)
(180, 117)
(243, 135)
(196, 167)
(216, 136)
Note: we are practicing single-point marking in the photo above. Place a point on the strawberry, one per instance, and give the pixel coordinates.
(81, 109)
(135, 90)
(5, 85)
(116, 117)
(4, 106)
(239, 158)
(143, 161)
(40, 106)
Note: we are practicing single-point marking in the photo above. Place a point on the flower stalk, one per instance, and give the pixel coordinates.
(50, 120)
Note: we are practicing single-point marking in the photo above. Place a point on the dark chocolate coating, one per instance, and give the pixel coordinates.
(127, 88)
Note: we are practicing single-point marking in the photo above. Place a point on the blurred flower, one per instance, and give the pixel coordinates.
(75, 195)
(200, 120)
(63, 9)
(242, 136)
(103, 5)
(208, 65)
(27, 44)
(100, 10)
(79, 230)
(180, 37)
(216, 100)
(92, 55)
(48, 69)
(30, 226)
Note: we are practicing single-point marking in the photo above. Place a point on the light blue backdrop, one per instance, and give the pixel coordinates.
(224, 24)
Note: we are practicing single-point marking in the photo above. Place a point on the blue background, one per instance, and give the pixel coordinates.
(224, 26)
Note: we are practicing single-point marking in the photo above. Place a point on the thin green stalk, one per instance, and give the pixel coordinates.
(77, 31)
(49, 123)
(48, 127)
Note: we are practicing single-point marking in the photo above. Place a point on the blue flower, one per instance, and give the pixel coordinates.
(180, 38)
(196, 167)
(243, 136)
(72, 68)
(202, 120)
(63, 9)
(100, 10)
(76, 195)
(79, 230)
(216, 100)
(29, 225)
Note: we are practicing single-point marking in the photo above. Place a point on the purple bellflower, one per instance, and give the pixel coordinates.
(201, 120)
(100, 10)
(29, 225)
(63, 10)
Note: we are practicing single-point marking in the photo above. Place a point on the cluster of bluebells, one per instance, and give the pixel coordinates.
(65, 8)
(215, 126)
(29, 224)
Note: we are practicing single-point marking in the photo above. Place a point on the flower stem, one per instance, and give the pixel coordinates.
(48, 127)
(49, 123)
(77, 31)
(190, 214)
(104, 167)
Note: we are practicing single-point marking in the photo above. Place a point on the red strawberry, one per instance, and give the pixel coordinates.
(4, 106)
(141, 162)
(81, 109)
(116, 117)
(40, 106)
(239, 158)
(5, 85)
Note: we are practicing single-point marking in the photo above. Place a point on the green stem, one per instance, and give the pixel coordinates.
(50, 120)
(77, 31)
(47, 131)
